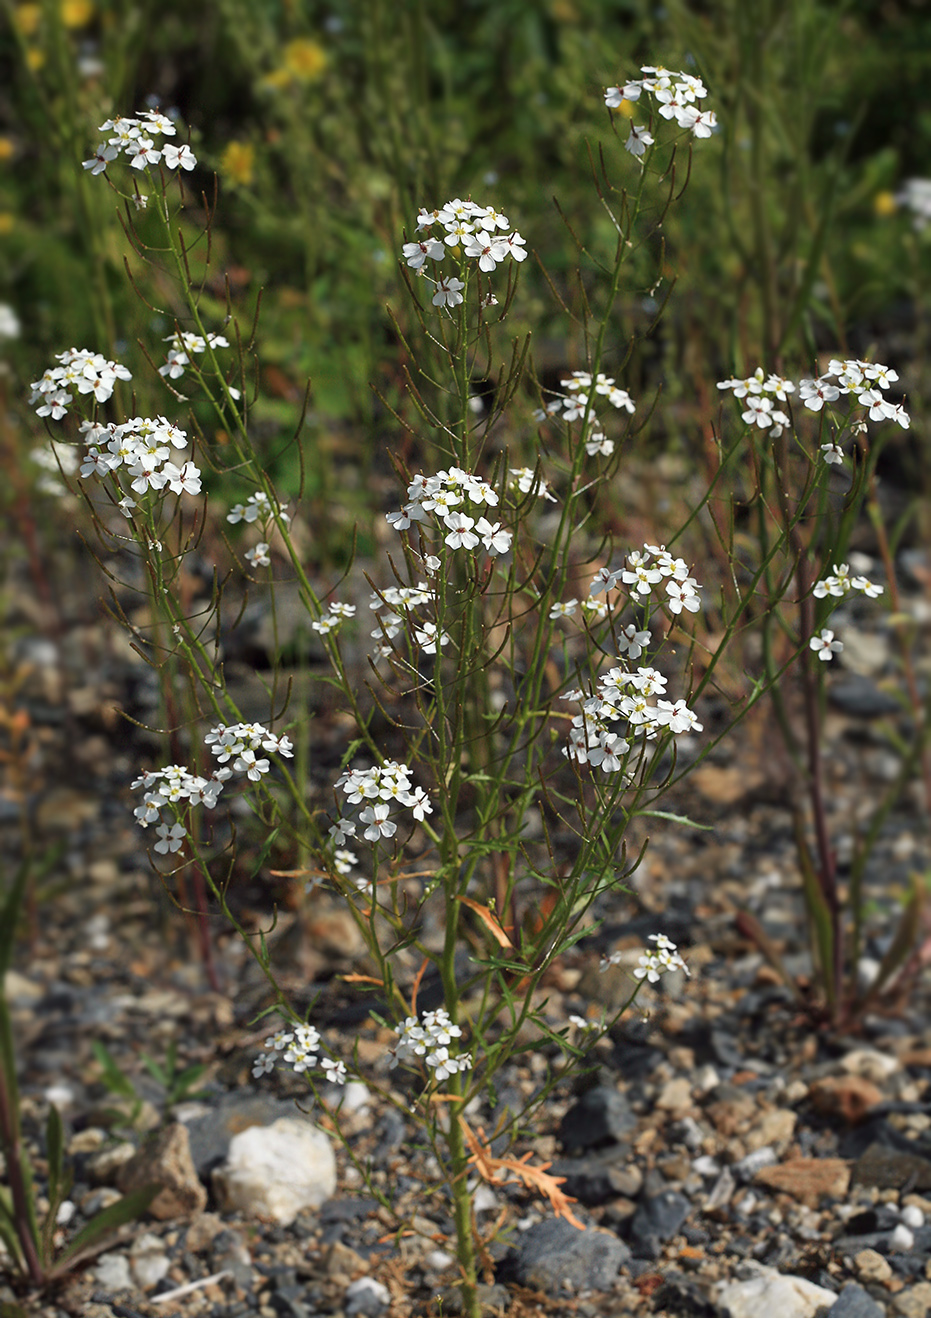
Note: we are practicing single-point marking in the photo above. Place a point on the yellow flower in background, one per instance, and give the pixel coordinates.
(76, 13)
(276, 80)
(625, 108)
(885, 204)
(238, 162)
(27, 18)
(304, 59)
(7, 223)
(6, 149)
(35, 58)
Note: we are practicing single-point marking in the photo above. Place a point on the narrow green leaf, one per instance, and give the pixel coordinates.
(113, 1077)
(750, 927)
(9, 917)
(55, 1148)
(158, 1074)
(675, 819)
(902, 945)
(125, 1210)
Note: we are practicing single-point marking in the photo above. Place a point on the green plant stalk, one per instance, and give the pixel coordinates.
(15, 1156)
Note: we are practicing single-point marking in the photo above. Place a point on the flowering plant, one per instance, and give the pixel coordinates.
(492, 608)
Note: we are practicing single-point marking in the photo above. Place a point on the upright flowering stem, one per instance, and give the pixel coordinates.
(827, 861)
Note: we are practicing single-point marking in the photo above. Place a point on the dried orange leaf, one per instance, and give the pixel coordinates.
(488, 920)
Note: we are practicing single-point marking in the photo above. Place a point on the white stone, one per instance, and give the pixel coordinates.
(354, 1095)
(149, 1261)
(902, 1239)
(275, 1171)
(359, 1296)
(912, 1216)
(111, 1272)
(871, 1064)
(770, 1293)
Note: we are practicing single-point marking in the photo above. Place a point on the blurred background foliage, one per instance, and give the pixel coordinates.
(328, 126)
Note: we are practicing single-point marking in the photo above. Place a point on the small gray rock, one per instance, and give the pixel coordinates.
(855, 1302)
(656, 1220)
(601, 1176)
(558, 1258)
(601, 1116)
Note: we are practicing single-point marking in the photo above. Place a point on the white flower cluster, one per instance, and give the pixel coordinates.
(841, 583)
(758, 393)
(646, 569)
(440, 501)
(395, 604)
(525, 480)
(79, 368)
(299, 1047)
(575, 402)
(593, 610)
(379, 791)
(143, 447)
(336, 614)
(430, 1041)
(652, 964)
(177, 788)
(676, 95)
(257, 508)
(623, 697)
(135, 138)
(184, 346)
(466, 229)
(864, 381)
(174, 787)
(240, 743)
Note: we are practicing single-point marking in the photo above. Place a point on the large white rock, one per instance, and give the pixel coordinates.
(772, 1294)
(275, 1171)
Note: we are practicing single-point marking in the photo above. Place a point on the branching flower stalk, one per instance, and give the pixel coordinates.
(847, 398)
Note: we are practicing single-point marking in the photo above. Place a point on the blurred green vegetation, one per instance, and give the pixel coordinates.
(329, 125)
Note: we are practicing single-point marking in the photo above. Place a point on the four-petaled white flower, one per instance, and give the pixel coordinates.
(825, 646)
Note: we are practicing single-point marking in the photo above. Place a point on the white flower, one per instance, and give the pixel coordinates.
(638, 141)
(335, 1072)
(259, 556)
(683, 595)
(448, 292)
(632, 642)
(825, 645)
(833, 454)
(170, 838)
(178, 157)
(415, 254)
(460, 531)
(494, 538)
(379, 825)
(489, 249)
(101, 158)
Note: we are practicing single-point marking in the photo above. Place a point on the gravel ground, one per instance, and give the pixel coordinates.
(726, 1156)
